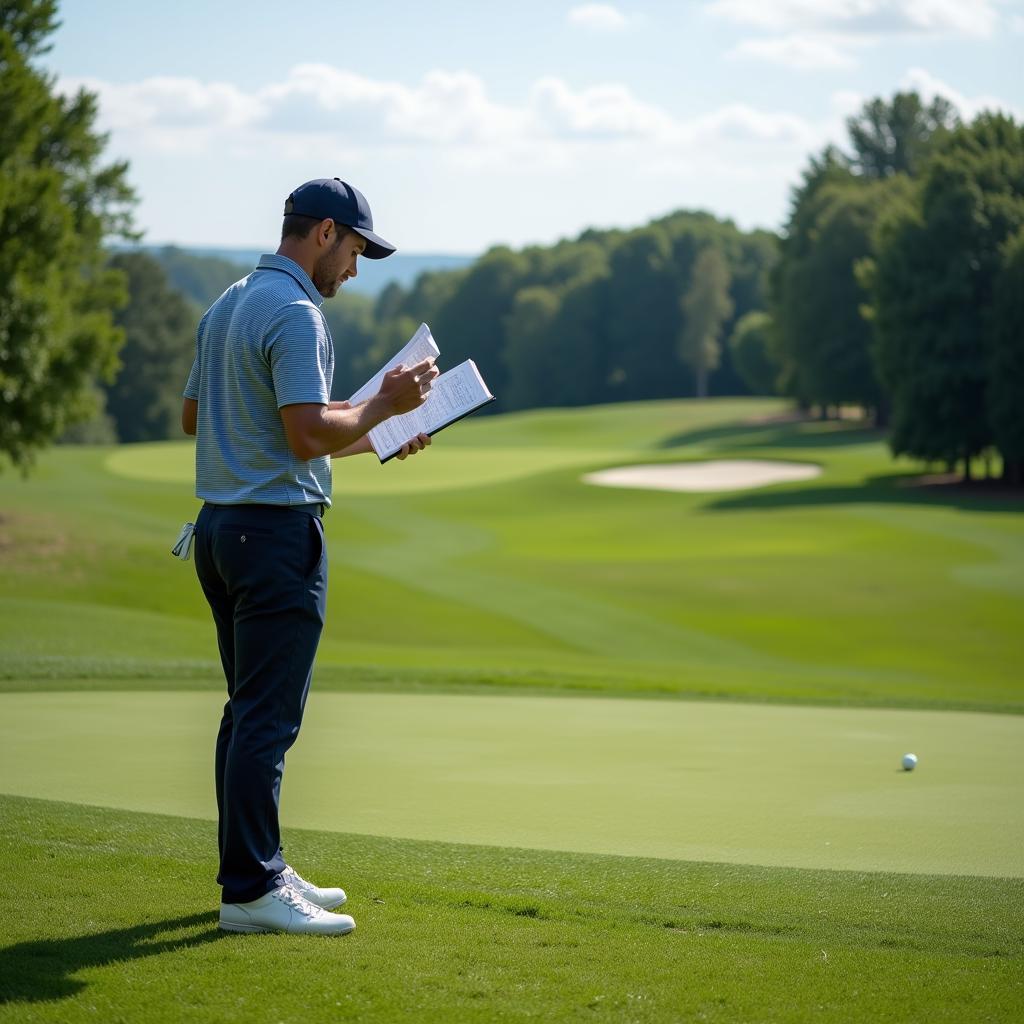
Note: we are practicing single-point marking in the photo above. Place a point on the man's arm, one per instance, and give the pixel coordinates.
(363, 446)
(314, 430)
(189, 415)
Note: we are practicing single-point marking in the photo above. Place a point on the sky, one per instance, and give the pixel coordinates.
(468, 124)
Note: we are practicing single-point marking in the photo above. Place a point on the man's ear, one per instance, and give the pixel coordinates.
(324, 231)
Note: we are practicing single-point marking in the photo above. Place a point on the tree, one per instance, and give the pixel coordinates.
(706, 307)
(57, 203)
(932, 283)
(823, 340)
(1006, 365)
(350, 321)
(643, 317)
(829, 336)
(796, 329)
(159, 326)
(471, 323)
(532, 363)
(201, 279)
(896, 137)
(751, 346)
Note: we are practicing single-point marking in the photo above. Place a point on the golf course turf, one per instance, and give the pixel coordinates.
(665, 728)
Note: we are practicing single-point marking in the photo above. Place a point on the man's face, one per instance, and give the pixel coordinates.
(338, 263)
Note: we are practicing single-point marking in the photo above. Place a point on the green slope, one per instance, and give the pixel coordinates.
(487, 562)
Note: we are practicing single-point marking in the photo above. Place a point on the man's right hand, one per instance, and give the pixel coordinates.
(406, 388)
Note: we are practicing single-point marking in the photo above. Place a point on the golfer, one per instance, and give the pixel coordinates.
(258, 402)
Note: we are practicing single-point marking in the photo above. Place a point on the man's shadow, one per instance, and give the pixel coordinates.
(43, 970)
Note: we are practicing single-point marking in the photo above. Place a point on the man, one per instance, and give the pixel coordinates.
(258, 401)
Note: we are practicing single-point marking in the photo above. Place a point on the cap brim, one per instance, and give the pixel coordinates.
(376, 247)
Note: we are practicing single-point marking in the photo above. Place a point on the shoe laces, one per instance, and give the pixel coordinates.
(291, 897)
(296, 881)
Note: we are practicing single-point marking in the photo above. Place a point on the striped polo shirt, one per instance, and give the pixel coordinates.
(262, 345)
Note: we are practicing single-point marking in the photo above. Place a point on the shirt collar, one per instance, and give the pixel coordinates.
(274, 261)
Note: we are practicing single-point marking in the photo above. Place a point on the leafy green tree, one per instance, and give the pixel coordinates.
(201, 279)
(580, 338)
(643, 317)
(534, 366)
(897, 136)
(932, 285)
(796, 328)
(1006, 367)
(57, 203)
(351, 323)
(159, 326)
(706, 307)
(828, 334)
(823, 341)
(752, 354)
(471, 323)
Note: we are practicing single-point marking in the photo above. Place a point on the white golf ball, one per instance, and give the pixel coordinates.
(909, 762)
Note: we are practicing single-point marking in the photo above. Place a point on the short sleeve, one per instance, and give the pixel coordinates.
(192, 384)
(298, 349)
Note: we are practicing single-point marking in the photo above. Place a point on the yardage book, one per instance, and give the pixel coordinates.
(453, 395)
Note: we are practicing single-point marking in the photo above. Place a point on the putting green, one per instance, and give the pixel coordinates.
(796, 786)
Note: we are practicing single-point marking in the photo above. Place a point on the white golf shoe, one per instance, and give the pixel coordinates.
(283, 909)
(326, 899)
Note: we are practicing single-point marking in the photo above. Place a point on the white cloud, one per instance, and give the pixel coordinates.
(823, 34)
(557, 150)
(872, 17)
(597, 18)
(810, 52)
(449, 111)
(738, 123)
(170, 101)
(928, 86)
(603, 111)
(446, 108)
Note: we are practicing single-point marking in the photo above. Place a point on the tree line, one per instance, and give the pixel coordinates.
(897, 285)
(900, 282)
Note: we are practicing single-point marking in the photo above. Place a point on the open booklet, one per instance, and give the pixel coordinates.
(453, 395)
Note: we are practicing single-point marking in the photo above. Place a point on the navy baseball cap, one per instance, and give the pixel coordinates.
(334, 198)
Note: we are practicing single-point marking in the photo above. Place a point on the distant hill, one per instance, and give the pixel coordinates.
(203, 273)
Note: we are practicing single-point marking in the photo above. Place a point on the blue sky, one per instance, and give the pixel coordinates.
(468, 124)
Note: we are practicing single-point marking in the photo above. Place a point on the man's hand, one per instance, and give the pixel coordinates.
(417, 444)
(313, 430)
(406, 388)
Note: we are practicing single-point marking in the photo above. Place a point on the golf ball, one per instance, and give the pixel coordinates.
(909, 762)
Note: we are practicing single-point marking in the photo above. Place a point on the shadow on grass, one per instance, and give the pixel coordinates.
(798, 434)
(43, 970)
(897, 489)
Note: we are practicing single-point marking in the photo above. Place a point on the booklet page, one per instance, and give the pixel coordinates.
(419, 347)
(454, 393)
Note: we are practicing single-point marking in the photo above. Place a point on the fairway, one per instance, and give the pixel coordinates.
(575, 752)
(795, 787)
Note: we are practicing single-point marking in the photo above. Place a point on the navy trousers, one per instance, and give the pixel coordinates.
(263, 570)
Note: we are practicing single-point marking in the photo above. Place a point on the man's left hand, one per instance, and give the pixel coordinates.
(417, 444)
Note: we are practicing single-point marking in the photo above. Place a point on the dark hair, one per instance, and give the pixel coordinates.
(298, 225)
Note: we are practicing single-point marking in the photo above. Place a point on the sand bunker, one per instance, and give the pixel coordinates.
(699, 477)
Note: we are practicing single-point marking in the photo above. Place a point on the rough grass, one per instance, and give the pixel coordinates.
(116, 922)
